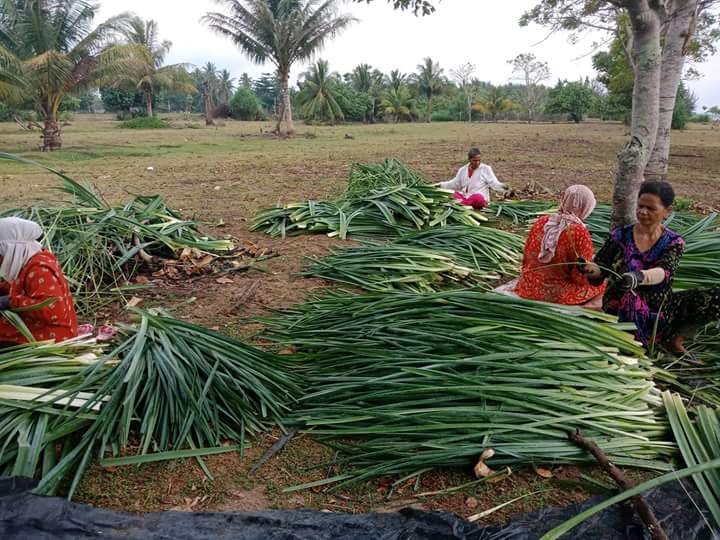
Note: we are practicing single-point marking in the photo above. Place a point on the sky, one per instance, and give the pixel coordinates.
(457, 33)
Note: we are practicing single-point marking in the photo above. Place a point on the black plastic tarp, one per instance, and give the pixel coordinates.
(24, 516)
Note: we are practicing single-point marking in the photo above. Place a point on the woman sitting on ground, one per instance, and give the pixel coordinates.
(473, 182)
(30, 275)
(640, 262)
(549, 271)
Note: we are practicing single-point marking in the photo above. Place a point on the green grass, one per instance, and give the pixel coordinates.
(145, 122)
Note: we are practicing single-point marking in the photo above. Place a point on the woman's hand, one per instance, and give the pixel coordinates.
(587, 268)
(630, 280)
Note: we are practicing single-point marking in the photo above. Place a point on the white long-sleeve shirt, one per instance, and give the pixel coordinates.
(482, 181)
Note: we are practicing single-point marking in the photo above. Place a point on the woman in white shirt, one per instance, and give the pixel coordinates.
(473, 182)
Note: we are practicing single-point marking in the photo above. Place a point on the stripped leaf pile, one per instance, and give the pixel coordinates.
(700, 264)
(368, 177)
(426, 261)
(699, 442)
(99, 246)
(384, 200)
(167, 387)
(406, 383)
(36, 419)
(520, 212)
(699, 384)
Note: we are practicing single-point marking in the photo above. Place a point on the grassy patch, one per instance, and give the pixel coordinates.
(145, 122)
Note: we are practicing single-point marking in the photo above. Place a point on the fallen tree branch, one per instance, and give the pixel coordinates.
(641, 507)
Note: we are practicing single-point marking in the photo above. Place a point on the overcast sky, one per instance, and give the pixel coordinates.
(459, 31)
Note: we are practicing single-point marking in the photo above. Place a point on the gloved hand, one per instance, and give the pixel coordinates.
(630, 280)
(4, 303)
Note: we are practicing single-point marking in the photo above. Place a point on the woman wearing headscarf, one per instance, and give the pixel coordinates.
(30, 275)
(549, 271)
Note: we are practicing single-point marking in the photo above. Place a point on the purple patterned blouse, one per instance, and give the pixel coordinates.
(644, 306)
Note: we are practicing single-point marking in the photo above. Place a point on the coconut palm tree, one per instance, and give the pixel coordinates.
(246, 81)
(494, 102)
(430, 82)
(209, 85)
(396, 79)
(142, 62)
(318, 94)
(280, 31)
(226, 86)
(399, 104)
(367, 81)
(49, 49)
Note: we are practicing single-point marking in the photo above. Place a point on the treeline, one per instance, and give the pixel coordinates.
(367, 95)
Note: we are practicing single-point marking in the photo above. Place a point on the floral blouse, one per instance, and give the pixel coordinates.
(41, 278)
(646, 304)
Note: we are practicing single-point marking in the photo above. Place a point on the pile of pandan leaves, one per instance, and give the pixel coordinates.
(427, 370)
(101, 247)
(381, 200)
(422, 369)
(162, 389)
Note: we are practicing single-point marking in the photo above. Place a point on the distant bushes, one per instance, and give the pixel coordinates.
(145, 122)
(5, 113)
(245, 105)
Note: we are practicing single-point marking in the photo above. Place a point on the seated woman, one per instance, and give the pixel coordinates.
(549, 271)
(29, 275)
(644, 258)
(473, 182)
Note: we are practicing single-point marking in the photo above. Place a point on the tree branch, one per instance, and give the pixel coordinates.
(641, 507)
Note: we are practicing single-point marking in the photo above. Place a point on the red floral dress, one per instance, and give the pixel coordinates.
(41, 278)
(554, 282)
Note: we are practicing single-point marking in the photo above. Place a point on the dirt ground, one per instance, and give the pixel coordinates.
(224, 175)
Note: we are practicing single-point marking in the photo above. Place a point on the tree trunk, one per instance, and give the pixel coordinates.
(680, 30)
(469, 109)
(429, 109)
(286, 115)
(646, 99)
(51, 134)
(209, 112)
(208, 104)
(148, 104)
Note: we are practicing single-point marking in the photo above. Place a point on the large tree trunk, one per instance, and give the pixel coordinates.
(646, 99)
(51, 134)
(148, 104)
(286, 115)
(678, 33)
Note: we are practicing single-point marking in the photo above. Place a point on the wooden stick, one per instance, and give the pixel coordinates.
(641, 507)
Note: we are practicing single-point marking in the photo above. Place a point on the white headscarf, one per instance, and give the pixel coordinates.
(18, 243)
(576, 205)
